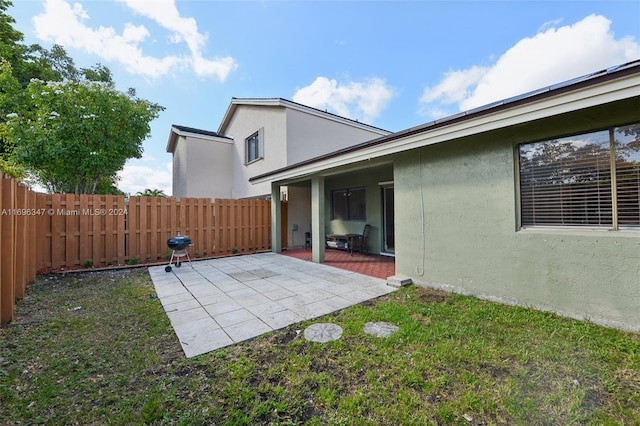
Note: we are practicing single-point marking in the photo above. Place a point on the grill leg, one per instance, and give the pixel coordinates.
(168, 267)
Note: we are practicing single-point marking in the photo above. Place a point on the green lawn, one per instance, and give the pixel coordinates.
(455, 360)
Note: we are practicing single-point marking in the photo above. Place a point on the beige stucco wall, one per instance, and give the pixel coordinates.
(310, 136)
(247, 120)
(179, 165)
(202, 168)
(290, 136)
(299, 213)
(456, 228)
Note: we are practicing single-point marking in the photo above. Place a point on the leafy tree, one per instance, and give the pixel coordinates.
(59, 66)
(10, 38)
(10, 95)
(27, 62)
(67, 127)
(151, 193)
(19, 64)
(75, 136)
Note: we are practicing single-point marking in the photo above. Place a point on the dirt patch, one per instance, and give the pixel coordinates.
(285, 336)
(431, 295)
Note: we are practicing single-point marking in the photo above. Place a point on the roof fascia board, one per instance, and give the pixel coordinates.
(333, 117)
(200, 135)
(175, 133)
(619, 89)
(279, 102)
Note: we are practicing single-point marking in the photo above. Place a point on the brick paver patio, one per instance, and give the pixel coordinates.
(372, 265)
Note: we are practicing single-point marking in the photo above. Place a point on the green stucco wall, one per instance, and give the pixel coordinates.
(369, 179)
(456, 228)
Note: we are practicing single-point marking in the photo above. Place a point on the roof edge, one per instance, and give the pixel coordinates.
(178, 130)
(281, 102)
(593, 79)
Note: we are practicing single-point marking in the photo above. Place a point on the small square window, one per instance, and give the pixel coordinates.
(348, 204)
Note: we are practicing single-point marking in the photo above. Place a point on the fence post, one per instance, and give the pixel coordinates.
(21, 261)
(7, 243)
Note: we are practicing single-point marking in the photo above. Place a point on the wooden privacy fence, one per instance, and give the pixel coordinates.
(103, 230)
(52, 231)
(17, 244)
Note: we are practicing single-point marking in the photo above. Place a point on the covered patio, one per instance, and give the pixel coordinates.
(367, 264)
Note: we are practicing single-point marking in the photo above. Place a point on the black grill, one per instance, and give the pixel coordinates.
(179, 246)
(179, 243)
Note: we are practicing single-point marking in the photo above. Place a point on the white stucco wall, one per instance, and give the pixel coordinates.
(202, 168)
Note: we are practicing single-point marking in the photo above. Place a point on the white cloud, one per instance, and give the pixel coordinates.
(455, 85)
(550, 24)
(551, 56)
(136, 177)
(165, 13)
(66, 24)
(134, 33)
(356, 100)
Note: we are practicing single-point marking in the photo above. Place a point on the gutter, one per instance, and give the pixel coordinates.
(603, 76)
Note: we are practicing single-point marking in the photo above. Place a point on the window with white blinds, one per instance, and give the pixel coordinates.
(589, 180)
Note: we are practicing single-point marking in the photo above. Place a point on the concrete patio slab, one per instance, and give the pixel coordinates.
(219, 302)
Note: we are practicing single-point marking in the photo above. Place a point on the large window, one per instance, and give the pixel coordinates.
(588, 180)
(254, 147)
(348, 204)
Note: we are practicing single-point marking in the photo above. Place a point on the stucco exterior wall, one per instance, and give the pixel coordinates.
(248, 120)
(310, 136)
(202, 168)
(290, 136)
(299, 213)
(369, 179)
(179, 165)
(456, 228)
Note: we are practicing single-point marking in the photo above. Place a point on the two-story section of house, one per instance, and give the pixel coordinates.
(201, 160)
(256, 136)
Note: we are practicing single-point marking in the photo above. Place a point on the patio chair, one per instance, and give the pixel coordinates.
(307, 240)
(362, 241)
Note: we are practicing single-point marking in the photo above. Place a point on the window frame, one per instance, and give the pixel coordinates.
(258, 136)
(350, 212)
(613, 179)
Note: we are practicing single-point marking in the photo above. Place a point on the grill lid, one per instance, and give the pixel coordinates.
(179, 242)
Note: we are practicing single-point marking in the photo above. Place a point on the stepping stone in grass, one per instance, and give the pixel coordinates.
(323, 332)
(380, 329)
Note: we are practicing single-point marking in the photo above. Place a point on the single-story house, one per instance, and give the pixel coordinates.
(532, 201)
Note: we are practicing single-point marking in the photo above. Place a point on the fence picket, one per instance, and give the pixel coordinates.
(20, 246)
(32, 241)
(7, 289)
(69, 231)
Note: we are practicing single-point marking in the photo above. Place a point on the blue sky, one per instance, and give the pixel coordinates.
(392, 64)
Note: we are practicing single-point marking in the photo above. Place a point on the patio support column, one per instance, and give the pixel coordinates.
(317, 219)
(276, 219)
